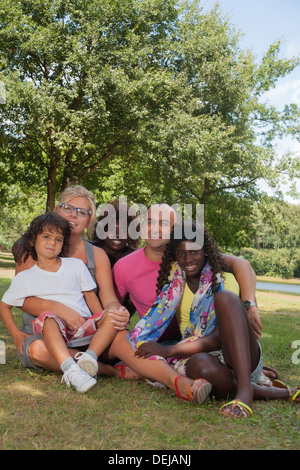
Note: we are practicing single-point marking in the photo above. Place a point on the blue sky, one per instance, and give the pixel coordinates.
(263, 22)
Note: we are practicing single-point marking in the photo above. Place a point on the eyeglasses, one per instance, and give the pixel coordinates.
(68, 209)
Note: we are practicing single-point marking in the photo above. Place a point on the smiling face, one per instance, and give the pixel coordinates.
(113, 242)
(77, 224)
(191, 258)
(158, 225)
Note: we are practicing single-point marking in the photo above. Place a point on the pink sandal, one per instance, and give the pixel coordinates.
(198, 391)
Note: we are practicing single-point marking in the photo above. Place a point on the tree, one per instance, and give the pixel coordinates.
(80, 76)
(150, 99)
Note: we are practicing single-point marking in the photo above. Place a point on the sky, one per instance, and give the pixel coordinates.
(263, 22)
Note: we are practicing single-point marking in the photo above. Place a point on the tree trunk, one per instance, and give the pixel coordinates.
(205, 194)
(51, 183)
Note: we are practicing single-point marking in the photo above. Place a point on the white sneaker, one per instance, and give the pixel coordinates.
(79, 379)
(87, 363)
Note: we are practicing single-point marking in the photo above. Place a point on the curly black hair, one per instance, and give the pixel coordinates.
(50, 221)
(214, 258)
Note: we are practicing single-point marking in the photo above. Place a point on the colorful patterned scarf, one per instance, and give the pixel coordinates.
(202, 314)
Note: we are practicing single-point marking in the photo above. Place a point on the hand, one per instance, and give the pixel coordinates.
(120, 317)
(151, 348)
(72, 319)
(255, 321)
(19, 341)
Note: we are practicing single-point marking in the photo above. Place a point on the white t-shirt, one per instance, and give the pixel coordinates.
(65, 286)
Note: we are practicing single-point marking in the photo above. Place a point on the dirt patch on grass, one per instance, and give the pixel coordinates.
(7, 273)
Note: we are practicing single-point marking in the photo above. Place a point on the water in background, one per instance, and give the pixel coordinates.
(276, 286)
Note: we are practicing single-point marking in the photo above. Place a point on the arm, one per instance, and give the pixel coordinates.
(120, 288)
(35, 306)
(182, 349)
(22, 259)
(120, 315)
(18, 336)
(246, 277)
(92, 301)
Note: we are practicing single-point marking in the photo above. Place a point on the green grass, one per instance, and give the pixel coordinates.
(6, 261)
(38, 412)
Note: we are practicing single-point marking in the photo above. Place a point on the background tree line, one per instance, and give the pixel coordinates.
(154, 100)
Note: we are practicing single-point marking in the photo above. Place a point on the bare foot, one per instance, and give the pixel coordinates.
(236, 409)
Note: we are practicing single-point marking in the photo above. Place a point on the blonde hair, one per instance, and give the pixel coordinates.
(75, 191)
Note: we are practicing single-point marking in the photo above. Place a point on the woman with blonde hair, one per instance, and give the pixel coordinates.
(77, 205)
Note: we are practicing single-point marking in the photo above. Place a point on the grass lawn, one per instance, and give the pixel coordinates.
(38, 412)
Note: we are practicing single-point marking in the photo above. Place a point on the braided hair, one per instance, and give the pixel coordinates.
(213, 256)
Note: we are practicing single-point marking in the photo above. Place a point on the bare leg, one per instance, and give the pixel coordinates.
(157, 370)
(238, 343)
(54, 341)
(41, 357)
(224, 384)
(209, 367)
(240, 351)
(103, 336)
(52, 351)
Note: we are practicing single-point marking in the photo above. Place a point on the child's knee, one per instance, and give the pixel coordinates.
(37, 351)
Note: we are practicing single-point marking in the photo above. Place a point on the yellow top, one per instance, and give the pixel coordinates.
(184, 307)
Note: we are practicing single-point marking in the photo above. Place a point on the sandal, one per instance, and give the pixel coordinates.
(198, 391)
(279, 384)
(244, 409)
(274, 371)
(123, 368)
(295, 395)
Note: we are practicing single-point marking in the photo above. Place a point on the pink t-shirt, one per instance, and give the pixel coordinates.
(136, 275)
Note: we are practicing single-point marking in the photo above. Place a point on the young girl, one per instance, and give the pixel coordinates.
(212, 320)
(67, 281)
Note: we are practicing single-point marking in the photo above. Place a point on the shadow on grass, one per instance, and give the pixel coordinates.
(7, 261)
(37, 411)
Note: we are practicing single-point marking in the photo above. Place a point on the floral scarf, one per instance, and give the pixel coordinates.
(202, 314)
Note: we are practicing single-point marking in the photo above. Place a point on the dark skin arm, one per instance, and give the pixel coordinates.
(207, 343)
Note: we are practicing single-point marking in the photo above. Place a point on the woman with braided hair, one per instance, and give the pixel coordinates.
(219, 344)
(216, 261)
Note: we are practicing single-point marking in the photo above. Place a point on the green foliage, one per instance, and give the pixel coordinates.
(19, 210)
(281, 262)
(154, 100)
